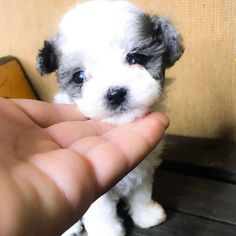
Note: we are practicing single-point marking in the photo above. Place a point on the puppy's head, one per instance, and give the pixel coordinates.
(110, 58)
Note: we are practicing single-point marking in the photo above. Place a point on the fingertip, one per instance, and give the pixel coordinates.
(157, 117)
(152, 127)
(163, 118)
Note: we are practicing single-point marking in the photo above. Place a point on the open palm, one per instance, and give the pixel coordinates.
(54, 162)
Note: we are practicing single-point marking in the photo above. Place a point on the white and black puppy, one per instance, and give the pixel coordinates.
(110, 58)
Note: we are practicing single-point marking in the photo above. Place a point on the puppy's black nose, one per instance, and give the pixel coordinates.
(116, 96)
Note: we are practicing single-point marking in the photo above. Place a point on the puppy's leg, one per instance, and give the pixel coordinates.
(143, 210)
(74, 230)
(101, 218)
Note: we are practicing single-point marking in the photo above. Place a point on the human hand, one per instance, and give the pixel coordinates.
(54, 163)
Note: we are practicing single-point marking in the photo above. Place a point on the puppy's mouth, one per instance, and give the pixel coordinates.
(124, 115)
(118, 105)
(120, 110)
(126, 112)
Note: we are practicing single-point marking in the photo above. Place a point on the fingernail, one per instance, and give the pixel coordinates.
(164, 119)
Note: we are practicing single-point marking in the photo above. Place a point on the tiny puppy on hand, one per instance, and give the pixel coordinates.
(110, 59)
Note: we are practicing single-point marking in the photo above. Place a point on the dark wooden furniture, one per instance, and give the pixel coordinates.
(196, 184)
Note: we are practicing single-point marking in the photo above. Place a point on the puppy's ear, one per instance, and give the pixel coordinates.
(47, 59)
(172, 41)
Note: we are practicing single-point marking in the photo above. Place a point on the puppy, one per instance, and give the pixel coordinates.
(110, 58)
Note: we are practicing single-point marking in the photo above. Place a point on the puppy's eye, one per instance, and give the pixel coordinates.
(79, 77)
(137, 59)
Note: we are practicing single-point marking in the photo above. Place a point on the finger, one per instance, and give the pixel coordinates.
(122, 148)
(150, 129)
(66, 133)
(45, 114)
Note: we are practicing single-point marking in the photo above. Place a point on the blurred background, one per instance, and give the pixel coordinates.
(201, 98)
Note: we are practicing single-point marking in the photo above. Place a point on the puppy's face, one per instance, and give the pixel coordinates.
(110, 58)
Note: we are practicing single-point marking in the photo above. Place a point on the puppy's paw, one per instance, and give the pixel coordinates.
(148, 215)
(75, 230)
(116, 230)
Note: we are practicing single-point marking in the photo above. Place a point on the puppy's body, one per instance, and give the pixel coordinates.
(110, 58)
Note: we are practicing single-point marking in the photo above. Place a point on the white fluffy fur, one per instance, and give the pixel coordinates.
(101, 51)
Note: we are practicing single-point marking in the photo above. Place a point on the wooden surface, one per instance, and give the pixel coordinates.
(196, 185)
(196, 196)
(202, 98)
(179, 224)
(210, 158)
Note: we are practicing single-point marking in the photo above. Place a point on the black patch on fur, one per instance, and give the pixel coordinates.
(159, 39)
(47, 59)
(136, 58)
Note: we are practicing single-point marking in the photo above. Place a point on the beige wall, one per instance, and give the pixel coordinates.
(202, 97)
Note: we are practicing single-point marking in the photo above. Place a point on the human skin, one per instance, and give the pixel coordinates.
(54, 162)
